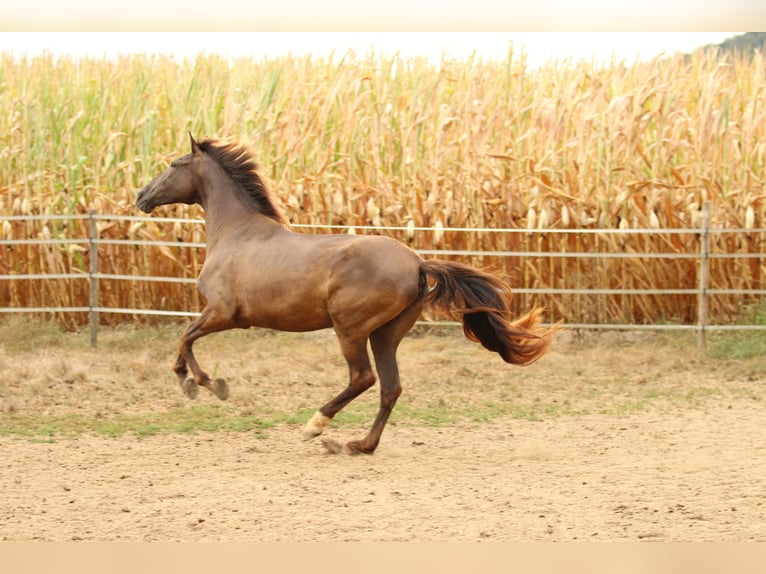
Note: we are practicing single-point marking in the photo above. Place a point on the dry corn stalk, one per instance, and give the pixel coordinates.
(384, 141)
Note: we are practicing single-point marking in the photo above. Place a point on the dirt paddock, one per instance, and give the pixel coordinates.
(620, 440)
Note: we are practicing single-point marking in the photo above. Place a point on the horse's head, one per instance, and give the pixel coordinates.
(174, 185)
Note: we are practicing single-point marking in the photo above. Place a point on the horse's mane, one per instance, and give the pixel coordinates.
(236, 160)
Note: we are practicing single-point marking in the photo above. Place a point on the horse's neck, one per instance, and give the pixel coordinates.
(225, 212)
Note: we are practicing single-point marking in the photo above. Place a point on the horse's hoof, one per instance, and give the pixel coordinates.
(356, 447)
(315, 426)
(221, 389)
(190, 388)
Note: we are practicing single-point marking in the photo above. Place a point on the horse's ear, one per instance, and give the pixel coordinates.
(194, 144)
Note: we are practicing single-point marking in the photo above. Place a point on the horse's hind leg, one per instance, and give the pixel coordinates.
(361, 378)
(208, 322)
(385, 342)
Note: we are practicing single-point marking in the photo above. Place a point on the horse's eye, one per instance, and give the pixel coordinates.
(173, 164)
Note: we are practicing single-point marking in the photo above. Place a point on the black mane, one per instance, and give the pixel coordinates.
(236, 160)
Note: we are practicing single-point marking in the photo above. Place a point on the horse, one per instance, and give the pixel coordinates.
(370, 289)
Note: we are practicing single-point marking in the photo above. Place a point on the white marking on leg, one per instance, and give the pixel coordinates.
(315, 426)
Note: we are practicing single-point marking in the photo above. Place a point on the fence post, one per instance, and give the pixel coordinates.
(93, 276)
(704, 276)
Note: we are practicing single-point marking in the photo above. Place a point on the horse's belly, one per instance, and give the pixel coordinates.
(296, 322)
(284, 313)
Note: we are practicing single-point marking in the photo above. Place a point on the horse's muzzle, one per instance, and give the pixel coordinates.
(142, 201)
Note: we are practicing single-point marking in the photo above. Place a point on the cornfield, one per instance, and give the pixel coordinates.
(375, 140)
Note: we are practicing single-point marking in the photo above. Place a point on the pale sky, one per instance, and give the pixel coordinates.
(539, 46)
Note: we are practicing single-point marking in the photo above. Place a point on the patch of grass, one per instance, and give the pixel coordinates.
(606, 399)
(20, 334)
(741, 344)
(181, 420)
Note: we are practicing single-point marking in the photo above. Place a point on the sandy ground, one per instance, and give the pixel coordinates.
(696, 475)
(670, 471)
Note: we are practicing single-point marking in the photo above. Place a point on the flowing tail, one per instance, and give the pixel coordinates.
(481, 302)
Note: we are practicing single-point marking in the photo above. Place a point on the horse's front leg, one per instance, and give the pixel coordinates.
(208, 322)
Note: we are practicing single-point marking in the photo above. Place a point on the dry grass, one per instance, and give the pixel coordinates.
(53, 383)
(387, 141)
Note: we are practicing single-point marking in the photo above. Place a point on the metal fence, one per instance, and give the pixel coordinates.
(93, 242)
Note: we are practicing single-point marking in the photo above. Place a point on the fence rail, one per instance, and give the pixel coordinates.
(703, 290)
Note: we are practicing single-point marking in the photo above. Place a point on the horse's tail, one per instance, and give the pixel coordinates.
(481, 302)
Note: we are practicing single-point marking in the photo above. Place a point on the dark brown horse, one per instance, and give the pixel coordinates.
(258, 272)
